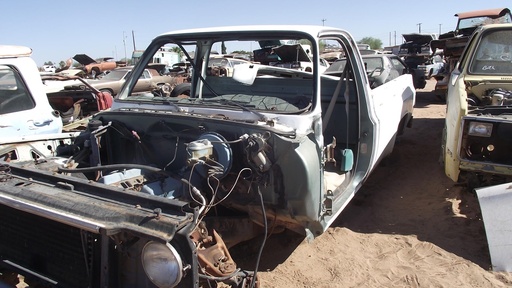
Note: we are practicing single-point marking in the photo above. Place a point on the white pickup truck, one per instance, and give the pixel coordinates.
(157, 189)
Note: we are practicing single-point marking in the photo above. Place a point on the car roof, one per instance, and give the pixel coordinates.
(312, 30)
(9, 51)
(480, 13)
(496, 26)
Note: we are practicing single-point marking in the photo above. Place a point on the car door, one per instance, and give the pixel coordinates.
(144, 82)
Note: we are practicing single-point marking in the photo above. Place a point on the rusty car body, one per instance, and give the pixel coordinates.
(93, 67)
(114, 81)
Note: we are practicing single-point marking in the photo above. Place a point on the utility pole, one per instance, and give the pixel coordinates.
(124, 43)
(419, 27)
(323, 21)
(133, 39)
(440, 30)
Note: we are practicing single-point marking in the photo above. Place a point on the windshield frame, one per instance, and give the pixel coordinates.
(484, 61)
(203, 48)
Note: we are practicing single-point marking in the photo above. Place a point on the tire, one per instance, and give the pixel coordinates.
(181, 89)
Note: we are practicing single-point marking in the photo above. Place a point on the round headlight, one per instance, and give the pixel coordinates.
(162, 264)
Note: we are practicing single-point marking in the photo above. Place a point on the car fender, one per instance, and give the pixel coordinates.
(456, 108)
(389, 101)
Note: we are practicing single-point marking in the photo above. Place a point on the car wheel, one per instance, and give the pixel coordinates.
(181, 89)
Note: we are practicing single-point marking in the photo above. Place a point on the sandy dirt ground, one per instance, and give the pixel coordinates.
(408, 226)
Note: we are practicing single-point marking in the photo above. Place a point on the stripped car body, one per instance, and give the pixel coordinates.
(26, 116)
(452, 43)
(416, 48)
(149, 80)
(180, 180)
(95, 67)
(24, 107)
(478, 129)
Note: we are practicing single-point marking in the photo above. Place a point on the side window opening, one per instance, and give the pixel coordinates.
(14, 95)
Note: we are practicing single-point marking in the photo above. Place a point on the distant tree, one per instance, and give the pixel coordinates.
(223, 48)
(128, 61)
(48, 63)
(374, 43)
(241, 52)
(62, 64)
(176, 49)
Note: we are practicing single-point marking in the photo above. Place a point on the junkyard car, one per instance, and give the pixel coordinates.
(49, 68)
(452, 43)
(478, 130)
(224, 65)
(93, 67)
(287, 55)
(24, 107)
(158, 189)
(416, 48)
(75, 99)
(381, 68)
(434, 66)
(27, 120)
(114, 80)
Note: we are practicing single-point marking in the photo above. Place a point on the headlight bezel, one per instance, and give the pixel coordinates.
(480, 129)
(163, 277)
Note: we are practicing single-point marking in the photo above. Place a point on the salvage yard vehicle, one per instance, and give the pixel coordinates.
(24, 107)
(224, 65)
(382, 68)
(114, 80)
(30, 128)
(95, 67)
(158, 189)
(478, 129)
(416, 48)
(434, 66)
(287, 55)
(452, 43)
(75, 103)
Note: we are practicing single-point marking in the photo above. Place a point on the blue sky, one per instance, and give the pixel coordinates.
(57, 30)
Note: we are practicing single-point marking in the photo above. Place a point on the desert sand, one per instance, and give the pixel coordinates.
(408, 226)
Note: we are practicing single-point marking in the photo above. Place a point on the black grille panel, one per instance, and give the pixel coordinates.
(49, 248)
